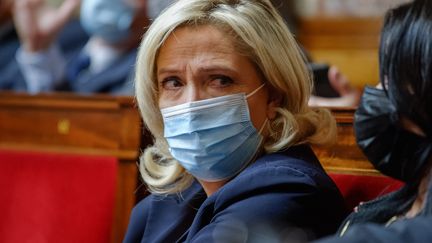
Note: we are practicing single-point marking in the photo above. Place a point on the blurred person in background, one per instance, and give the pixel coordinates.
(343, 93)
(70, 40)
(10, 78)
(104, 63)
(8, 37)
(55, 54)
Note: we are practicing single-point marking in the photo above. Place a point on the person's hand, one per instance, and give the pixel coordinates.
(349, 95)
(38, 24)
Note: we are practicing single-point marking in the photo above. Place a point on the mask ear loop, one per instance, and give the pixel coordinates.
(252, 93)
(256, 90)
(260, 146)
(263, 125)
(265, 121)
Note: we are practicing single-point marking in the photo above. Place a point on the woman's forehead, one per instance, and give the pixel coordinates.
(199, 33)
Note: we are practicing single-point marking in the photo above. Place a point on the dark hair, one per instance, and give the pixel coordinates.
(406, 61)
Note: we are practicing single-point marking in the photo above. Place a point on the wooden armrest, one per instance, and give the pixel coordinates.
(345, 156)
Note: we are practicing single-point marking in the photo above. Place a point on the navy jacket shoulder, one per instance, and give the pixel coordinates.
(279, 197)
(164, 218)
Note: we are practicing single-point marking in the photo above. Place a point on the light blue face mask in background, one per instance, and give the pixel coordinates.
(213, 139)
(108, 19)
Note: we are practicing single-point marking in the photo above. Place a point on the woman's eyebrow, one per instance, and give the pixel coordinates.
(202, 69)
(216, 68)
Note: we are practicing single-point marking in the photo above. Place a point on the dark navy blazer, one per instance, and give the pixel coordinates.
(281, 196)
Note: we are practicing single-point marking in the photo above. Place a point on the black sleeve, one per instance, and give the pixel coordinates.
(416, 230)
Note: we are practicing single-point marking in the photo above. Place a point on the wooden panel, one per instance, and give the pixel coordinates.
(361, 66)
(345, 156)
(101, 125)
(125, 198)
(340, 33)
(69, 123)
(349, 43)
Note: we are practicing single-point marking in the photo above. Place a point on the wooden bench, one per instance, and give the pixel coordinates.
(82, 125)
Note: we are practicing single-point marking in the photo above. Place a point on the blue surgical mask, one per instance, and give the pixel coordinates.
(108, 19)
(213, 139)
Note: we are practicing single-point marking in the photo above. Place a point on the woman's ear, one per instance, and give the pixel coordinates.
(275, 100)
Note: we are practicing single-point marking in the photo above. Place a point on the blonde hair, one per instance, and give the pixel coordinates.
(258, 32)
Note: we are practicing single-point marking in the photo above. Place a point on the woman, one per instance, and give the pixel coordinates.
(393, 127)
(222, 87)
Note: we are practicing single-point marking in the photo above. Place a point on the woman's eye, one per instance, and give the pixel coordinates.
(221, 81)
(171, 84)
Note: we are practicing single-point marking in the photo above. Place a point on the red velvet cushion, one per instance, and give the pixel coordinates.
(49, 197)
(360, 188)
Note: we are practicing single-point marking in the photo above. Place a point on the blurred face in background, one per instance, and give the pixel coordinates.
(115, 21)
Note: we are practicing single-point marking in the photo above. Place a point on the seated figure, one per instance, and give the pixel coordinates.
(393, 128)
(101, 64)
(223, 88)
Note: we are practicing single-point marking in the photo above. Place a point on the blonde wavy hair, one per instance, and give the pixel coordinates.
(257, 31)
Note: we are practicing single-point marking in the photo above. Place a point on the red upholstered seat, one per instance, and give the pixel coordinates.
(48, 197)
(360, 188)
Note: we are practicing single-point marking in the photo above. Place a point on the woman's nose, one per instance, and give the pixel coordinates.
(194, 93)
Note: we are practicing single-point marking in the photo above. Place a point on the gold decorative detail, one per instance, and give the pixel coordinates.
(63, 126)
